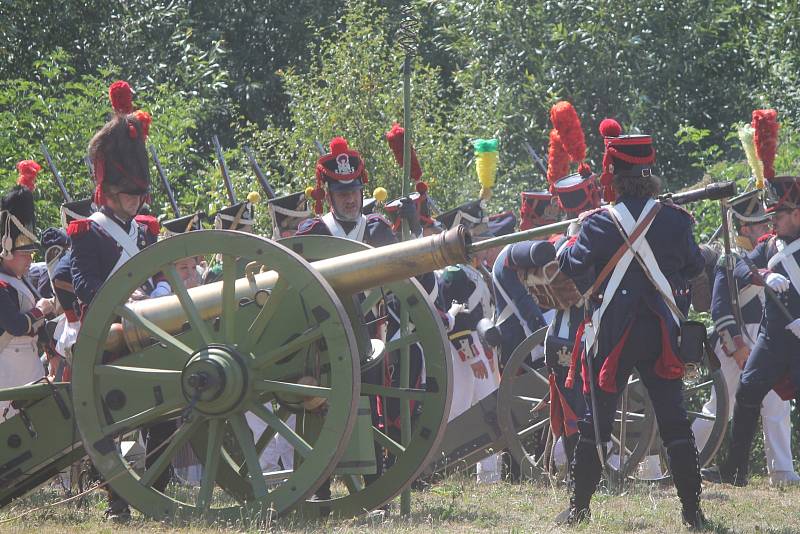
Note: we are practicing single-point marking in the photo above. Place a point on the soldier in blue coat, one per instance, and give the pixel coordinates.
(104, 241)
(639, 327)
(341, 176)
(774, 362)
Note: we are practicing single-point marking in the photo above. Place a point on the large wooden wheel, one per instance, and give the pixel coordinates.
(242, 345)
(524, 417)
(412, 451)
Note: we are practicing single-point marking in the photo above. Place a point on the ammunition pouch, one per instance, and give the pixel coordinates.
(551, 288)
(692, 342)
(489, 333)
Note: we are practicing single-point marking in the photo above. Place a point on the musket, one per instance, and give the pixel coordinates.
(56, 174)
(733, 290)
(262, 179)
(223, 167)
(320, 147)
(715, 235)
(89, 165)
(165, 182)
(535, 157)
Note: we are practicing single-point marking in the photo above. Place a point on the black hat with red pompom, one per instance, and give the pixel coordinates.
(538, 208)
(17, 215)
(625, 155)
(342, 169)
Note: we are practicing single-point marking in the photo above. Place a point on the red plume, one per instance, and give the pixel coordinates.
(121, 97)
(610, 128)
(145, 120)
(28, 169)
(339, 146)
(765, 123)
(565, 120)
(557, 159)
(396, 137)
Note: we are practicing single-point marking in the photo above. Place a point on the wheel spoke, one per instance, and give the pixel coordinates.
(373, 296)
(228, 298)
(180, 437)
(533, 428)
(274, 386)
(385, 441)
(402, 341)
(615, 439)
(698, 386)
(145, 374)
(306, 338)
(245, 439)
(269, 432)
(161, 335)
(283, 429)
(144, 417)
(256, 330)
(701, 415)
(398, 393)
(213, 453)
(192, 313)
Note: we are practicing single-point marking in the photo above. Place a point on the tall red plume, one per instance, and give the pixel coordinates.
(338, 146)
(28, 169)
(565, 120)
(765, 124)
(557, 159)
(121, 97)
(396, 137)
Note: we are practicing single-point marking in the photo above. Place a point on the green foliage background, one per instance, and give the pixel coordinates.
(277, 76)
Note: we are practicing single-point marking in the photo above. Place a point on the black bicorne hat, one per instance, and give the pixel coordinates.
(783, 193)
(183, 224)
(77, 209)
(287, 212)
(236, 217)
(749, 207)
(470, 214)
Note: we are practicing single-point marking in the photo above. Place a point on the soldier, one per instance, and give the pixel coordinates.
(341, 176)
(22, 311)
(102, 243)
(241, 217)
(192, 269)
(773, 362)
(734, 342)
(640, 317)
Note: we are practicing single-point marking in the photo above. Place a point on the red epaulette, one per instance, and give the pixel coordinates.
(765, 237)
(308, 224)
(78, 226)
(586, 214)
(150, 222)
(378, 216)
(679, 208)
(3, 283)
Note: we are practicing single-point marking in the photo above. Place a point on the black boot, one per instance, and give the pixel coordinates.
(585, 471)
(734, 470)
(685, 468)
(118, 510)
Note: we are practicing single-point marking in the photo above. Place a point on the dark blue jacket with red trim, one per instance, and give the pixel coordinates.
(95, 252)
(775, 320)
(377, 233)
(12, 320)
(672, 242)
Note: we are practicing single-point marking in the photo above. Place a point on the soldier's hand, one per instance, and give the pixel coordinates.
(740, 356)
(777, 282)
(408, 211)
(794, 328)
(479, 370)
(46, 306)
(456, 308)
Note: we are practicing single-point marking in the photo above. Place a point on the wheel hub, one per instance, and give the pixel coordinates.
(214, 380)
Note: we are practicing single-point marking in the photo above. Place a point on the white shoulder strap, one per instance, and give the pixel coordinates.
(356, 234)
(127, 240)
(785, 257)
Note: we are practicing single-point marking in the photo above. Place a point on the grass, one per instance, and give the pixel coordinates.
(460, 505)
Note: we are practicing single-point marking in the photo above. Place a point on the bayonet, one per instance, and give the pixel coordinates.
(223, 168)
(262, 179)
(165, 182)
(59, 181)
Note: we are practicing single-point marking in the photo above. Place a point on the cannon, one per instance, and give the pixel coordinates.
(282, 333)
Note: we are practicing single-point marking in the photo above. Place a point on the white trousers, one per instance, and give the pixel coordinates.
(277, 449)
(468, 391)
(19, 365)
(774, 413)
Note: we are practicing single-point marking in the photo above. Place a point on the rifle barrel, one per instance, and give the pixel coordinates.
(56, 174)
(262, 179)
(165, 182)
(223, 167)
